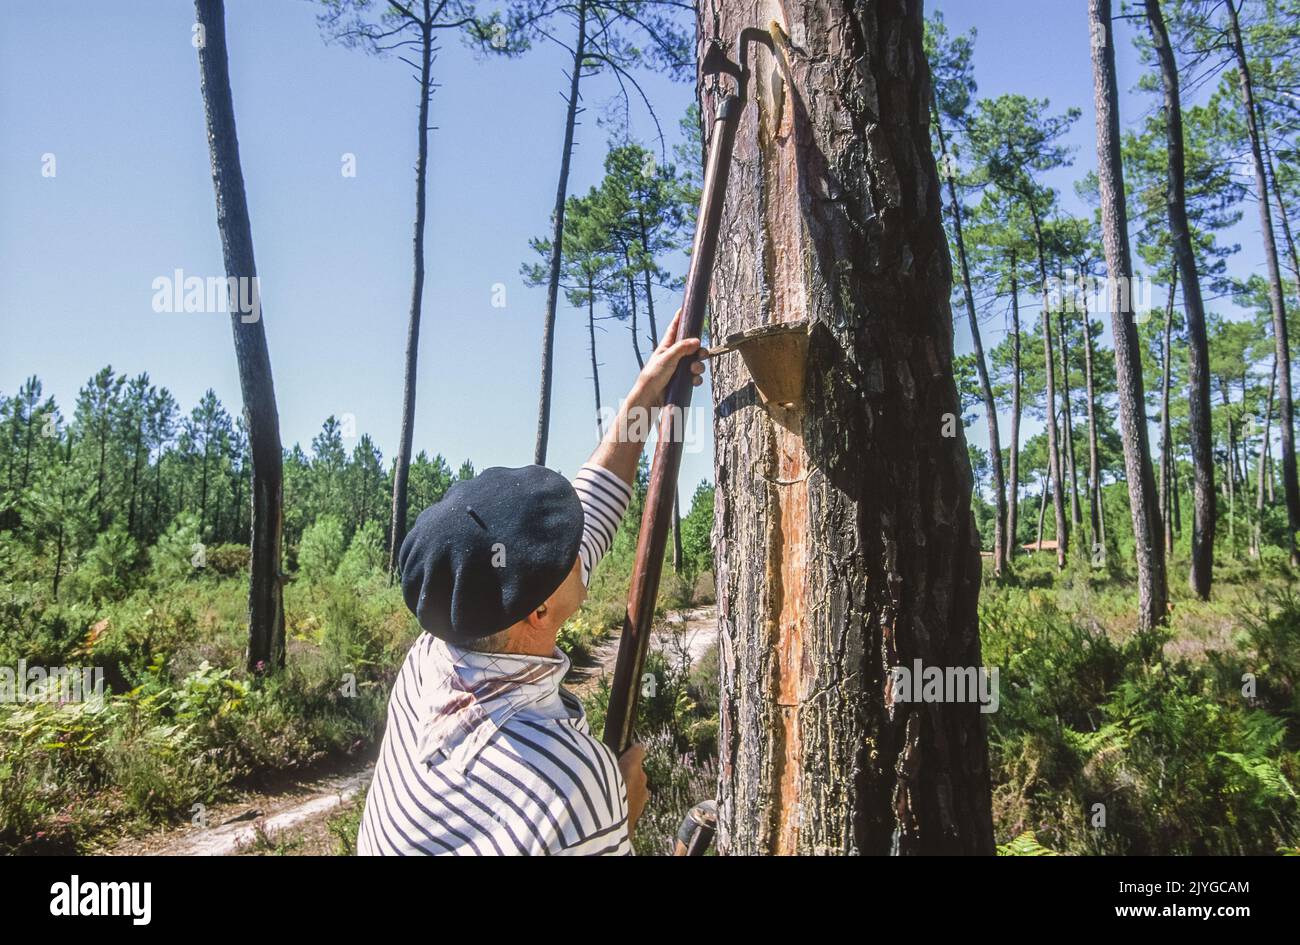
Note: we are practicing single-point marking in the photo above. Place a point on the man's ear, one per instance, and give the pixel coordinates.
(538, 617)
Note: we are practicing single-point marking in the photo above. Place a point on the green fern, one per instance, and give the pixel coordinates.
(1025, 845)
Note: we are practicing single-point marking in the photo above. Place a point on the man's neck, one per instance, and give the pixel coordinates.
(522, 639)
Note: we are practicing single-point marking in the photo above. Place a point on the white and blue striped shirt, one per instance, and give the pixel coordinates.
(485, 753)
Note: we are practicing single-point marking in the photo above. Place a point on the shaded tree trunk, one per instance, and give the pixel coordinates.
(1148, 540)
(265, 592)
(557, 242)
(402, 467)
(846, 545)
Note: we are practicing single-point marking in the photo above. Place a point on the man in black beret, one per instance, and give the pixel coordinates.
(484, 752)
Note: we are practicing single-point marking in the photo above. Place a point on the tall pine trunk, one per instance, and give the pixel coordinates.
(1013, 467)
(1198, 383)
(1262, 466)
(846, 545)
(557, 243)
(1049, 403)
(1148, 540)
(981, 365)
(402, 469)
(1277, 303)
(595, 365)
(265, 590)
(1166, 428)
(1067, 416)
(1096, 533)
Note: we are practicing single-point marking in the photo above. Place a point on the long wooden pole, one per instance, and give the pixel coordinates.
(653, 539)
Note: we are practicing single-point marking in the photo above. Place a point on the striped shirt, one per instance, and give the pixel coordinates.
(486, 754)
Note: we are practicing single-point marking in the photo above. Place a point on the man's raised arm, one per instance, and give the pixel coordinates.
(625, 436)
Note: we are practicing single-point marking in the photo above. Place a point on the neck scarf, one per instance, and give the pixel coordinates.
(467, 696)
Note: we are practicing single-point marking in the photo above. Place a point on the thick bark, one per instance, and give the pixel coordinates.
(845, 540)
(1286, 421)
(265, 592)
(402, 469)
(1149, 548)
(981, 366)
(557, 242)
(1202, 443)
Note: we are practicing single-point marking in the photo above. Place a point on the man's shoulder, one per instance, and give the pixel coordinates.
(567, 741)
(570, 775)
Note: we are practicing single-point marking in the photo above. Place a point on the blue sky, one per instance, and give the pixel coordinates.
(112, 91)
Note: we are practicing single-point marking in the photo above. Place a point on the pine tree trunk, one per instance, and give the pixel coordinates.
(1042, 510)
(1067, 415)
(402, 467)
(1202, 443)
(1049, 404)
(265, 592)
(1094, 466)
(557, 243)
(595, 368)
(1286, 420)
(1013, 505)
(1147, 536)
(1230, 480)
(846, 545)
(981, 365)
(1166, 430)
(677, 531)
(1262, 465)
(631, 297)
(135, 479)
(645, 273)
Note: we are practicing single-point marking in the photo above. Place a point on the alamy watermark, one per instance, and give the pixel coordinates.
(214, 294)
(53, 684)
(1079, 292)
(634, 424)
(919, 683)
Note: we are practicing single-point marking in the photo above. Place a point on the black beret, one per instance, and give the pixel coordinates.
(493, 549)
